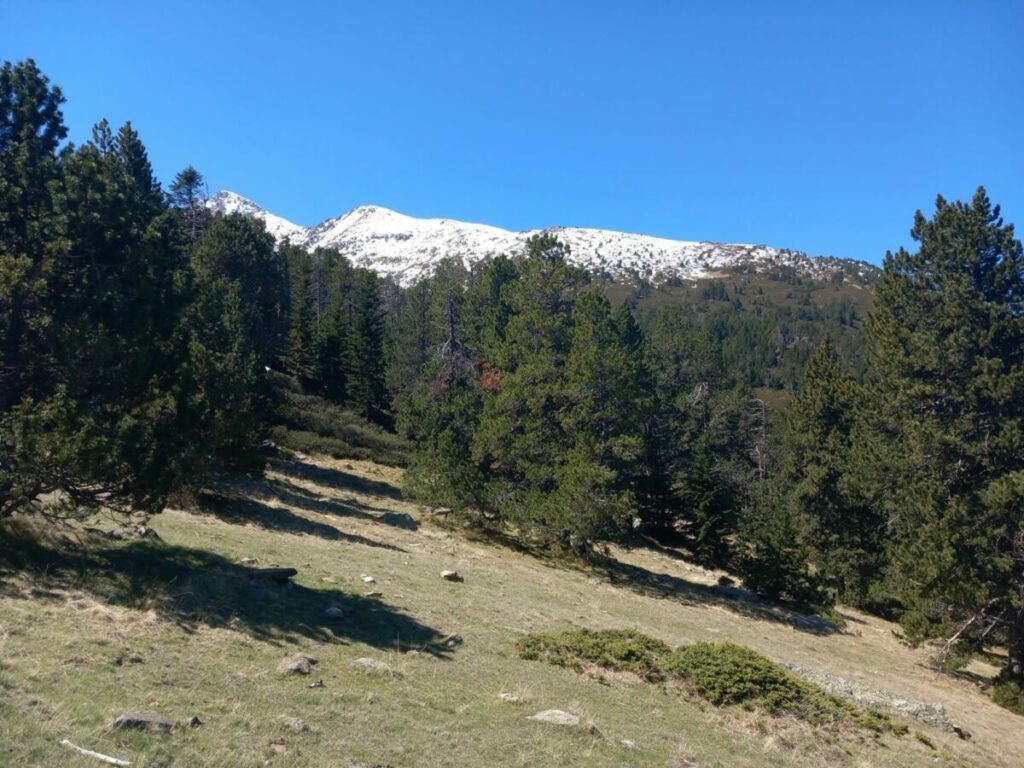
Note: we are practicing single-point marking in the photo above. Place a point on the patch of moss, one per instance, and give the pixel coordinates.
(722, 673)
(620, 650)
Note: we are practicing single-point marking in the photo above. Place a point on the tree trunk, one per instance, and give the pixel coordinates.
(1015, 661)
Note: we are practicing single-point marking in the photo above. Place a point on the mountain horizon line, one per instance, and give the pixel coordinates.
(407, 247)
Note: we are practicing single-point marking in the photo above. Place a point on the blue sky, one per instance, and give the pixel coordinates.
(820, 126)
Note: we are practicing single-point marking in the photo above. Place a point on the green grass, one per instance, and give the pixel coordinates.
(91, 627)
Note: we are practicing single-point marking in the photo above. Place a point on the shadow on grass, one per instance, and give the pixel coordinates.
(233, 508)
(297, 496)
(735, 599)
(195, 588)
(663, 586)
(336, 478)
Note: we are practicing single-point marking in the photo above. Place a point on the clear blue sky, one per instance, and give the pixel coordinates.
(813, 125)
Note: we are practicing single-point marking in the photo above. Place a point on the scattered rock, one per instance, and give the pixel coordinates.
(375, 594)
(930, 714)
(316, 684)
(333, 612)
(593, 580)
(293, 724)
(452, 640)
(451, 576)
(725, 581)
(555, 717)
(510, 698)
(628, 743)
(368, 579)
(248, 561)
(278, 746)
(965, 735)
(299, 664)
(377, 667)
(194, 722)
(143, 721)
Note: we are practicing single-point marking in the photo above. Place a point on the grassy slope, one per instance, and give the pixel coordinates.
(179, 634)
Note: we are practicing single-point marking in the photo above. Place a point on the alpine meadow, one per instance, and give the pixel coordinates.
(400, 491)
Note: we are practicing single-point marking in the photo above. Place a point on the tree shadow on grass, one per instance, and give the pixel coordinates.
(232, 508)
(735, 599)
(295, 495)
(662, 585)
(336, 478)
(195, 588)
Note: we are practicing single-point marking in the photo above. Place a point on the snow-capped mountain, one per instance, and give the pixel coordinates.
(407, 248)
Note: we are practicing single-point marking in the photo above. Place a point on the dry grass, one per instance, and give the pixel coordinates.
(172, 627)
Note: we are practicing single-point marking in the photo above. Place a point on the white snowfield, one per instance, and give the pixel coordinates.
(408, 248)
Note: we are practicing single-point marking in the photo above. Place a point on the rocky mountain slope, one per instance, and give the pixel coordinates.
(407, 248)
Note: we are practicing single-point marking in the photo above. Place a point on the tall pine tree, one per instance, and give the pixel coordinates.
(945, 453)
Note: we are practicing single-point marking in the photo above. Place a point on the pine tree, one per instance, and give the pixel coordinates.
(236, 251)
(301, 356)
(364, 377)
(844, 535)
(188, 194)
(102, 429)
(31, 130)
(606, 411)
(947, 428)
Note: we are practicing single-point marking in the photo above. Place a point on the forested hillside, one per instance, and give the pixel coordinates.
(859, 441)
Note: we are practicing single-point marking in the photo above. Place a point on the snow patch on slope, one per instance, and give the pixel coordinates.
(408, 248)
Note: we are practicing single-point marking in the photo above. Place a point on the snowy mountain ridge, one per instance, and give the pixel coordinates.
(407, 248)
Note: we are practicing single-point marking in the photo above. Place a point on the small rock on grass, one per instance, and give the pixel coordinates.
(555, 717)
(293, 724)
(144, 721)
(451, 641)
(452, 576)
(334, 612)
(299, 664)
(510, 698)
(377, 667)
(194, 722)
(628, 743)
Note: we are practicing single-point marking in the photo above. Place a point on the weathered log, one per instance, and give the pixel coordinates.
(97, 755)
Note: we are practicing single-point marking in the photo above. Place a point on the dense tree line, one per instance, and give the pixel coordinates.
(138, 332)
(538, 406)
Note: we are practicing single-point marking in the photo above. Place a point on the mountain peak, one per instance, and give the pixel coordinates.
(407, 248)
(226, 201)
